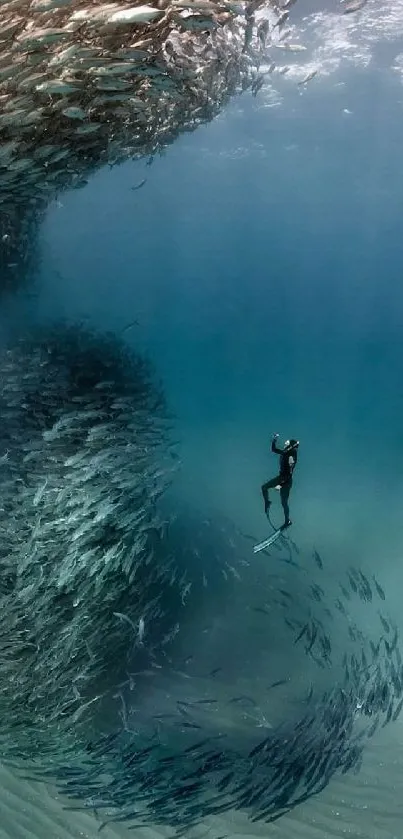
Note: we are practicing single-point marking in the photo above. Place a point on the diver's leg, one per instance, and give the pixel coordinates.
(265, 491)
(284, 495)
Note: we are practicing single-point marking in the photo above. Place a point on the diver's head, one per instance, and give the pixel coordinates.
(291, 444)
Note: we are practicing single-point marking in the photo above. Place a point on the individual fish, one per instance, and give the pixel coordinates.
(350, 6)
(378, 588)
(291, 47)
(309, 76)
(304, 631)
(139, 185)
(277, 684)
(141, 630)
(312, 635)
(340, 607)
(242, 699)
(384, 623)
(397, 710)
(352, 582)
(317, 592)
(318, 559)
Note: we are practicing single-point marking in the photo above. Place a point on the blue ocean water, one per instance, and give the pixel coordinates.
(262, 261)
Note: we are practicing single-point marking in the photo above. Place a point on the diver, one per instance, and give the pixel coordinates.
(282, 481)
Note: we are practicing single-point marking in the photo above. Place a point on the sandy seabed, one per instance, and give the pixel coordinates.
(364, 806)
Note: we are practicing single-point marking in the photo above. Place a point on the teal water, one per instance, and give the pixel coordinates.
(268, 292)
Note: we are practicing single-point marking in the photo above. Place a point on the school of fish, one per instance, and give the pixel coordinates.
(85, 455)
(84, 84)
(179, 771)
(98, 580)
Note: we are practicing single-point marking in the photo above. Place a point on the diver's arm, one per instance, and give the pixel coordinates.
(273, 445)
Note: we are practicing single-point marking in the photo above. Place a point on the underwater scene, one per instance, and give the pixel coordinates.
(201, 403)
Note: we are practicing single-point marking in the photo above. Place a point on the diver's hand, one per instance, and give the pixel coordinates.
(275, 437)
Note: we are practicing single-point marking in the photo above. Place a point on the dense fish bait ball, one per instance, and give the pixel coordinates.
(84, 84)
(184, 764)
(84, 456)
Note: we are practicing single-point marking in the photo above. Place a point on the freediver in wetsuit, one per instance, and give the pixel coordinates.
(288, 460)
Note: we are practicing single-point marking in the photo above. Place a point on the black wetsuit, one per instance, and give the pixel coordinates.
(288, 460)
